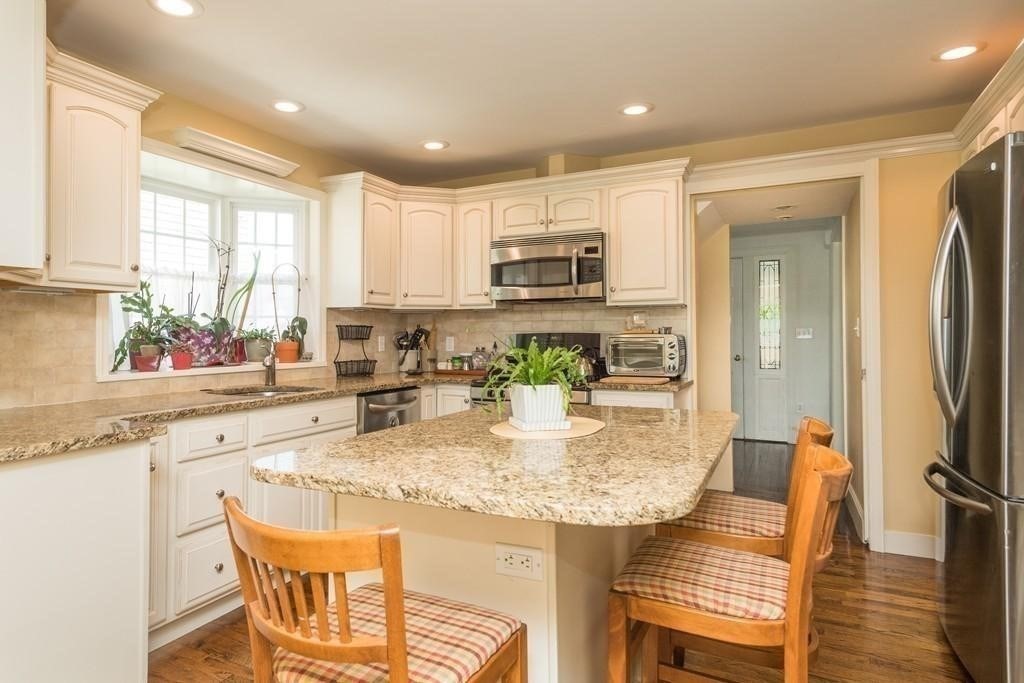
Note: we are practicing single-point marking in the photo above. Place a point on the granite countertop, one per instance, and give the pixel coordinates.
(53, 429)
(645, 467)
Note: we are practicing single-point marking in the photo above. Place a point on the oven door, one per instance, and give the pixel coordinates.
(643, 356)
(525, 271)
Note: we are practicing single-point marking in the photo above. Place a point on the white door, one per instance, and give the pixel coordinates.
(473, 230)
(580, 210)
(380, 250)
(94, 190)
(517, 216)
(764, 355)
(426, 245)
(736, 340)
(644, 236)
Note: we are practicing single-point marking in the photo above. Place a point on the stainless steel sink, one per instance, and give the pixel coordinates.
(262, 390)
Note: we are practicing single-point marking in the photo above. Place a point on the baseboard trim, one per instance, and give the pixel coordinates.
(170, 631)
(856, 510)
(914, 545)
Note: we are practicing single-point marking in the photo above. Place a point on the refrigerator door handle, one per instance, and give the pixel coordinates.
(949, 408)
(960, 501)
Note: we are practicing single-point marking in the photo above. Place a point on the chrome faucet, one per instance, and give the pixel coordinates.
(270, 374)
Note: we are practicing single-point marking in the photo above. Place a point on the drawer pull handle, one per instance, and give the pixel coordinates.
(315, 419)
(219, 438)
(219, 493)
(219, 567)
(152, 467)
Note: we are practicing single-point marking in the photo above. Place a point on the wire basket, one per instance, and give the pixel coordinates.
(354, 332)
(349, 368)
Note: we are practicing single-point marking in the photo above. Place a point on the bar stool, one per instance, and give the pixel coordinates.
(379, 632)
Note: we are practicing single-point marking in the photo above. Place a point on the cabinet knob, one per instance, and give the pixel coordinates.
(540, 222)
(47, 258)
(405, 294)
(487, 293)
(550, 221)
(220, 437)
(369, 291)
(152, 467)
(135, 267)
(737, 357)
(219, 567)
(315, 419)
(219, 493)
(611, 289)
(465, 400)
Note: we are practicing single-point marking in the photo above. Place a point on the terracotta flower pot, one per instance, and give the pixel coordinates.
(239, 350)
(181, 360)
(287, 351)
(148, 363)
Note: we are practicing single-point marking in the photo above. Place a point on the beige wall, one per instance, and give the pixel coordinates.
(170, 112)
(909, 227)
(854, 428)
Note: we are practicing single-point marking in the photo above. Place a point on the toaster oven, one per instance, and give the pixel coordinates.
(646, 355)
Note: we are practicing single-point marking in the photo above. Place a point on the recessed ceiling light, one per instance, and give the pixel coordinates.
(637, 109)
(959, 52)
(434, 145)
(288, 106)
(182, 9)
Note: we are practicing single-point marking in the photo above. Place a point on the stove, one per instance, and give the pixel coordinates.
(591, 343)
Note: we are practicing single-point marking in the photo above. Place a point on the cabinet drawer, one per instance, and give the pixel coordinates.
(204, 484)
(633, 399)
(275, 424)
(204, 569)
(205, 437)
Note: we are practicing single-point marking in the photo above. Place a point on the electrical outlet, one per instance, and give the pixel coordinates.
(381, 341)
(519, 561)
(449, 343)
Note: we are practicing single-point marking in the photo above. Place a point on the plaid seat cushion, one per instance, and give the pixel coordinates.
(447, 641)
(706, 578)
(730, 514)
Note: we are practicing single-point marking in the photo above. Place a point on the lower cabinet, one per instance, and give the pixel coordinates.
(452, 398)
(428, 403)
(201, 462)
(633, 399)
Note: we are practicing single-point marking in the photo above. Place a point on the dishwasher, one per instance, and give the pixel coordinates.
(387, 408)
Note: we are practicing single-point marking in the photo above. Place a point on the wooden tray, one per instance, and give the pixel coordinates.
(461, 373)
(581, 426)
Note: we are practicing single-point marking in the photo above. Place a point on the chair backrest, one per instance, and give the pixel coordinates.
(268, 556)
(812, 431)
(824, 485)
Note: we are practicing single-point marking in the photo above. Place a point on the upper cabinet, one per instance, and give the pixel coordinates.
(1015, 113)
(473, 262)
(645, 244)
(426, 255)
(380, 250)
(519, 216)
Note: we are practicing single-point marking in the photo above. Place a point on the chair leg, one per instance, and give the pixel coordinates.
(262, 654)
(794, 658)
(618, 640)
(649, 655)
(517, 672)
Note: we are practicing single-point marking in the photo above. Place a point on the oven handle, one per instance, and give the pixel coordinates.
(575, 271)
(960, 501)
(390, 408)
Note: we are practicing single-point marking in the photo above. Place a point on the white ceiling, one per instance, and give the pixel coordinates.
(509, 82)
(806, 201)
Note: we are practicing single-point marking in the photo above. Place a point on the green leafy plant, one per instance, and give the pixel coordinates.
(259, 333)
(296, 331)
(151, 328)
(533, 367)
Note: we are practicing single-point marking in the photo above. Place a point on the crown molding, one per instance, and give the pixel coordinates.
(222, 148)
(72, 71)
(387, 188)
(1007, 82)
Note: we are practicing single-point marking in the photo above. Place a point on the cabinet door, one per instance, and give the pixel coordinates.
(380, 250)
(516, 216)
(645, 243)
(473, 230)
(995, 129)
(426, 240)
(158, 510)
(428, 403)
(581, 210)
(452, 399)
(1015, 113)
(94, 190)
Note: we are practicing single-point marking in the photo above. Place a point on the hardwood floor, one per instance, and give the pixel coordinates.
(875, 613)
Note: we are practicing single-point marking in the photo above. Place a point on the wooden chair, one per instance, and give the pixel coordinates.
(757, 526)
(298, 635)
(732, 597)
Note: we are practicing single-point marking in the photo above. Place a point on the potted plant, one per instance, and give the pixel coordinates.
(259, 343)
(181, 355)
(289, 348)
(145, 336)
(538, 383)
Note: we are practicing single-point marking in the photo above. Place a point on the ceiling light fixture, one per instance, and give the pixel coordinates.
(288, 106)
(434, 145)
(637, 109)
(959, 52)
(181, 9)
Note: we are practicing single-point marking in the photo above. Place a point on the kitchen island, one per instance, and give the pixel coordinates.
(571, 510)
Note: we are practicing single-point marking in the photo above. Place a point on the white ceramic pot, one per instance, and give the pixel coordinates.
(538, 409)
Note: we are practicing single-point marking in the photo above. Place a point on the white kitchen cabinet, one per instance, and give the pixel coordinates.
(995, 129)
(426, 255)
(577, 210)
(633, 399)
(452, 398)
(158, 471)
(23, 122)
(428, 403)
(380, 250)
(1015, 113)
(645, 250)
(203, 485)
(473, 261)
(204, 569)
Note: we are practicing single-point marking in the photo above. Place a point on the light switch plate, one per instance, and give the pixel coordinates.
(449, 343)
(381, 341)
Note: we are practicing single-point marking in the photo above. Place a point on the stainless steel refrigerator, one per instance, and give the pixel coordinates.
(976, 328)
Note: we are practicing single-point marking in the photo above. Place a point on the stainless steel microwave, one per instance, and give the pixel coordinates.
(646, 355)
(548, 268)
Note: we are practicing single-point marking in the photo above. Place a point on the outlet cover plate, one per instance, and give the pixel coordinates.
(519, 561)
(449, 343)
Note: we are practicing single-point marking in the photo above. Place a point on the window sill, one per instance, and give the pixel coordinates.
(131, 376)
